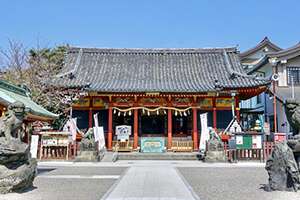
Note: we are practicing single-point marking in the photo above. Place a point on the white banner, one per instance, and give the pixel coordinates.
(71, 127)
(96, 120)
(34, 146)
(99, 137)
(204, 132)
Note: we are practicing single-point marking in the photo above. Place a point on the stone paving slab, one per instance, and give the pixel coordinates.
(234, 183)
(151, 182)
(69, 183)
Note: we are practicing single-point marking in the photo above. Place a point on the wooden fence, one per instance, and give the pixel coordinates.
(262, 155)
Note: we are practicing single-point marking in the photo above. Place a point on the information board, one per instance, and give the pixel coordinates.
(152, 144)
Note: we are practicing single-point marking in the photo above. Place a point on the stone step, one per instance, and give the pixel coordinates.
(157, 156)
(109, 157)
(87, 153)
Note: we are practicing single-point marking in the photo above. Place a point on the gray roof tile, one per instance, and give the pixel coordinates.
(154, 70)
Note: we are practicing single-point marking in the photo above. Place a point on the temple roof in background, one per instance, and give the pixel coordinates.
(262, 44)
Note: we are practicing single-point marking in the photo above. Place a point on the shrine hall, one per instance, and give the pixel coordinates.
(160, 93)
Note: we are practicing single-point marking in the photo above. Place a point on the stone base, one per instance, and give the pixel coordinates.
(17, 179)
(282, 169)
(215, 156)
(87, 156)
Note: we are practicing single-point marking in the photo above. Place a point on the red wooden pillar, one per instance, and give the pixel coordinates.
(135, 131)
(109, 136)
(237, 108)
(275, 107)
(90, 118)
(195, 129)
(214, 114)
(169, 129)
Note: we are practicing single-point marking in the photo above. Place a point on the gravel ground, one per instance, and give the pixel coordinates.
(232, 184)
(68, 188)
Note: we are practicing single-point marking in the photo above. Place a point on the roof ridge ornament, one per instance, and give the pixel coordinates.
(234, 74)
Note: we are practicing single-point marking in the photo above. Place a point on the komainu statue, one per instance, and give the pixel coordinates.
(283, 163)
(292, 110)
(215, 148)
(17, 168)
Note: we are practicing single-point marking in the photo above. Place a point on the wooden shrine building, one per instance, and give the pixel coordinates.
(158, 92)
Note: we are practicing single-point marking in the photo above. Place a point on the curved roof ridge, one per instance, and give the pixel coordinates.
(151, 50)
(266, 41)
(286, 51)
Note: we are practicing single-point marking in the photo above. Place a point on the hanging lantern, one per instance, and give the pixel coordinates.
(180, 113)
(165, 112)
(143, 111)
(115, 111)
(119, 113)
(184, 113)
(157, 112)
(175, 112)
(148, 113)
(124, 114)
(188, 112)
(129, 113)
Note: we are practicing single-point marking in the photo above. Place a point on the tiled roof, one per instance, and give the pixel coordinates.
(10, 93)
(264, 43)
(284, 54)
(287, 53)
(154, 70)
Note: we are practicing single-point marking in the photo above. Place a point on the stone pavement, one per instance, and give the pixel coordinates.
(145, 182)
(154, 179)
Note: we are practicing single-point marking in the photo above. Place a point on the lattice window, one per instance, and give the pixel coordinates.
(293, 74)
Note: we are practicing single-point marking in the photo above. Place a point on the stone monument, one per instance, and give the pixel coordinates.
(17, 168)
(215, 148)
(88, 151)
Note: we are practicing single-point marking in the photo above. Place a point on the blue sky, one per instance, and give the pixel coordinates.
(150, 23)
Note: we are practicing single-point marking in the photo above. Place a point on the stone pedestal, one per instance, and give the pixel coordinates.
(17, 168)
(87, 156)
(282, 169)
(215, 156)
(88, 150)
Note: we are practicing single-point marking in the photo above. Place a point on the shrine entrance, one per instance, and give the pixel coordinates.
(153, 125)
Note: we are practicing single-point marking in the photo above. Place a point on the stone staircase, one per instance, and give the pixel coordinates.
(157, 156)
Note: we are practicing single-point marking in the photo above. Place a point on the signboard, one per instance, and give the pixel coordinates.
(152, 144)
(248, 141)
(223, 102)
(256, 142)
(34, 146)
(267, 128)
(97, 102)
(204, 132)
(123, 132)
(279, 137)
(206, 102)
(84, 102)
(54, 138)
